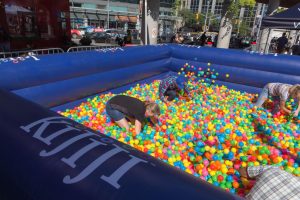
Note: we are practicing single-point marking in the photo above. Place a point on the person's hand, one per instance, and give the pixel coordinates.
(243, 172)
(295, 114)
(187, 98)
(165, 100)
(168, 103)
(157, 126)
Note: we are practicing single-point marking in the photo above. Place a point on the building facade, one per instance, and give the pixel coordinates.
(169, 22)
(104, 13)
(119, 14)
(248, 16)
(27, 24)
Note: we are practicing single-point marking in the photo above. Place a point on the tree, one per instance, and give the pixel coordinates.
(214, 24)
(188, 17)
(176, 7)
(213, 21)
(230, 12)
(244, 29)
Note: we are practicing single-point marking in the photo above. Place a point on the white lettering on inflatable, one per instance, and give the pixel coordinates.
(32, 55)
(64, 145)
(71, 160)
(94, 165)
(39, 128)
(33, 124)
(109, 50)
(296, 24)
(20, 58)
(107, 140)
(3, 60)
(48, 139)
(44, 123)
(117, 175)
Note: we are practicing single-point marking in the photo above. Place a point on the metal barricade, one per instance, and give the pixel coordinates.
(14, 54)
(89, 48)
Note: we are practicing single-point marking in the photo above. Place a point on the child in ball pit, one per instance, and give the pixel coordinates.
(173, 86)
(121, 106)
(283, 91)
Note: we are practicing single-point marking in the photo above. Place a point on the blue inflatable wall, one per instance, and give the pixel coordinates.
(46, 156)
(58, 79)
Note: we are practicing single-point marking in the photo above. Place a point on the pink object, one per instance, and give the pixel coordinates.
(236, 166)
(205, 162)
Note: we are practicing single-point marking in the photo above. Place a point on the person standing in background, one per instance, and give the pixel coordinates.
(203, 39)
(281, 43)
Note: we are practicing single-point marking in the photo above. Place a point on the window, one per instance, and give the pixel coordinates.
(101, 7)
(194, 5)
(21, 24)
(166, 3)
(77, 5)
(127, 1)
(89, 5)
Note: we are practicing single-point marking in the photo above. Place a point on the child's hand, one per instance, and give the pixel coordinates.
(295, 114)
(166, 100)
(186, 98)
(157, 127)
(170, 103)
(243, 172)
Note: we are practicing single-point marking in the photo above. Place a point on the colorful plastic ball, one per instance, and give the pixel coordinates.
(211, 136)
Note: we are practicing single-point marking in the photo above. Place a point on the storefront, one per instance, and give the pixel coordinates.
(88, 18)
(28, 24)
(81, 18)
(126, 22)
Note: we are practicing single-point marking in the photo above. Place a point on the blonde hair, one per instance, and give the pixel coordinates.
(295, 89)
(152, 107)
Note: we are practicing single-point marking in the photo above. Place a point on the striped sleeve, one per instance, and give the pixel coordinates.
(255, 171)
(162, 89)
(186, 89)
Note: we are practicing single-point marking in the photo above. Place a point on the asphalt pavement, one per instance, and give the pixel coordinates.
(95, 44)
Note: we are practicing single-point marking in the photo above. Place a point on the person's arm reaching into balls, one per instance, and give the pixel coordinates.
(283, 108)
(296, 113)
(254, 171)
(138, 126)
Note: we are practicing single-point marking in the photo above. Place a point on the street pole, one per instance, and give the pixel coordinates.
(242, 11)
(260, 21)
(208, 4)
(256, 22)
(72, 1)
(146, 22)
(267, 42)
(108, 1)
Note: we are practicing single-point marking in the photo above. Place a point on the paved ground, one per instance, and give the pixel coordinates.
(95, 44)
(136, 42)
